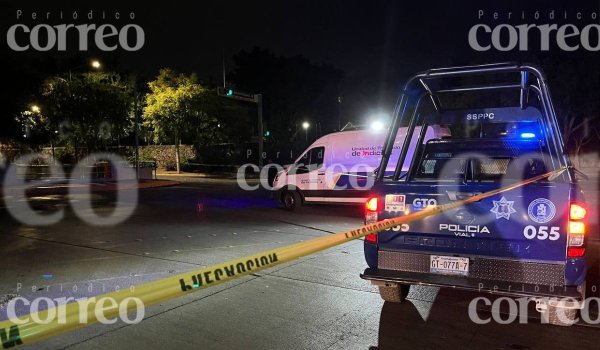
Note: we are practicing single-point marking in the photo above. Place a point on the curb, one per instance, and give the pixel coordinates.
(157, 183)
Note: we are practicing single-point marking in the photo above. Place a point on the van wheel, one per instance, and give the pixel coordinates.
(394, 292)
(291, 200)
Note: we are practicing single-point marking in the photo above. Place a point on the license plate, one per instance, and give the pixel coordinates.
(449, 265)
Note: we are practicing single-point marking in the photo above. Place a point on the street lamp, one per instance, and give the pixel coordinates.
(35, 109)
(339, 100)
(305, 126)
(93, 63)
(377, 125)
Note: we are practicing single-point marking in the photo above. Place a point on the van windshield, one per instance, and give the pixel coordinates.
(312, 159)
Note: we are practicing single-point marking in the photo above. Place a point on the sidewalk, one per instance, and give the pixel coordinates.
(94, 187)
(215, 175)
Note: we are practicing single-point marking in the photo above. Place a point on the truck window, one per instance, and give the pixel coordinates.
(441, 169)
(446, 167)
(496, 169)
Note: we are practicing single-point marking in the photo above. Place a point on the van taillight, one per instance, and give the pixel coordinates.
(576, 230)
(371, 216)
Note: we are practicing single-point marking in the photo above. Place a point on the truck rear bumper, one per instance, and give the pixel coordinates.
(485, 274)
(379, 276)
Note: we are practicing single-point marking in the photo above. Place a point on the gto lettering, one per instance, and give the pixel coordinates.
(424, 202)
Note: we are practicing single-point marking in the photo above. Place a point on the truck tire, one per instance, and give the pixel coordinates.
(394, 292)
(291, 200)
(558, 313)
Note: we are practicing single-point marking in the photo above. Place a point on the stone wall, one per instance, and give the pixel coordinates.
(165, 154)
(10, 150)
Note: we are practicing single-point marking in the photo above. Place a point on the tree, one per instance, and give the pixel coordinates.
(178, 107)
(35, 126)
(90, 109)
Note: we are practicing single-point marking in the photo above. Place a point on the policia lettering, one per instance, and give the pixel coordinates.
(240, 268)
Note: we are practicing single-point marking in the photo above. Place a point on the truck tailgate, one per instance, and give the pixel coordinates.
(527, 224)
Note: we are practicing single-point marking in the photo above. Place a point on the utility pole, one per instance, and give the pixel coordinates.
(339, 100)
(261, 132)
(136, 125)
(223, 61)
(137, 132)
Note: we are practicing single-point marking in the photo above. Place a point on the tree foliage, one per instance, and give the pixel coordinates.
(179, 108)
(90, 109)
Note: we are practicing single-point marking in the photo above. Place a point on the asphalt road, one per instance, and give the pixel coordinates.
(317, 302)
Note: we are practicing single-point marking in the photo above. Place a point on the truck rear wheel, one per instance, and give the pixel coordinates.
(394, 292)
(291, 200)
(558, 313)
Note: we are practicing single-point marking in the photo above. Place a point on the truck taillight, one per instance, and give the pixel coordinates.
(576, 230)
(576, 227)
(371, 216)
(372, 204)
(371, 238)
(577, 212)
(575, 252)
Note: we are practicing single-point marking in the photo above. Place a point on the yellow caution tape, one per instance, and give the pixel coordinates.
(13, 334)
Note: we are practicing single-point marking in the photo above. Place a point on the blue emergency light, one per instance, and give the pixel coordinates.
(527, 135)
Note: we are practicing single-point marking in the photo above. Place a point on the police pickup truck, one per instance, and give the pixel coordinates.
(530, 241)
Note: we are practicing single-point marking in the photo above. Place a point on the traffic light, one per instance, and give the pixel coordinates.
(267, 133)
(229, 92)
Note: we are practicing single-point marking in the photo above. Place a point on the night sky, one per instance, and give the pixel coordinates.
(376, 43)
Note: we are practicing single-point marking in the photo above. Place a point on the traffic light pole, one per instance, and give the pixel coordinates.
(254, 98)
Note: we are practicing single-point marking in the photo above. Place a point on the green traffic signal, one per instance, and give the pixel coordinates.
(229, 92)
(267, 133)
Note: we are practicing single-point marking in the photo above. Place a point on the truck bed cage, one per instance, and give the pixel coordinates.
(423, 85)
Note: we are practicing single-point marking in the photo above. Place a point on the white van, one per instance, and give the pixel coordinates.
(338, 168)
